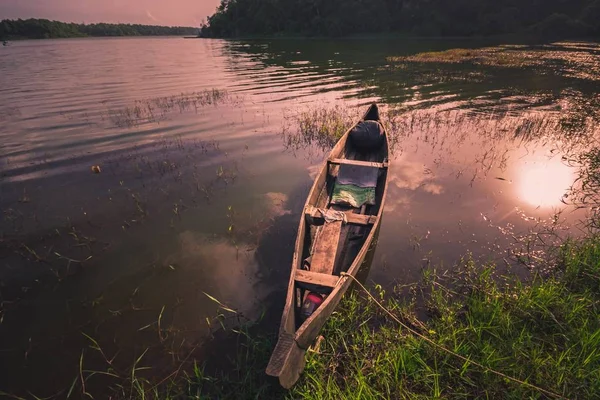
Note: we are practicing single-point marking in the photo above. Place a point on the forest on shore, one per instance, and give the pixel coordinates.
(46, 29)
(545, 18)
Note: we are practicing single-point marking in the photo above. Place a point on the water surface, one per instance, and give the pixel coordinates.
(200, 188)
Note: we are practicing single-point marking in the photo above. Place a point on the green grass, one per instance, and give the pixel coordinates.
(545, 332)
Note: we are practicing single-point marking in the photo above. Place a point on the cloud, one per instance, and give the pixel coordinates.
(152, 17)
(276, 203)
(179, 12)
(396, 202)
(414, 176)
(433, 188)
(228, 272)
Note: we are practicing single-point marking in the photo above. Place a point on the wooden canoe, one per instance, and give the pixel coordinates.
(332, 247)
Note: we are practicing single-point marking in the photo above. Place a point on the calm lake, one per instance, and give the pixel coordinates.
(140, 177)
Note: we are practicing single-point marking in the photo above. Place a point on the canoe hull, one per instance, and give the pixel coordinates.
(295, 336)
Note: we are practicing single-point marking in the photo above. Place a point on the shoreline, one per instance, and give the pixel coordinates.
(524, 36)
(96, 37)
(485, 335)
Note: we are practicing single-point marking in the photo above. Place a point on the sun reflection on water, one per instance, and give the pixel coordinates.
(545, 182)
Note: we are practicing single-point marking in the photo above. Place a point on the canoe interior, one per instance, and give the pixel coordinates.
(325, 250)
(351, 237)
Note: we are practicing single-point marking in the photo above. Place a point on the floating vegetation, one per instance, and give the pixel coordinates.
(157, 109)
(493, 56)
(433, 125)
(565, 59)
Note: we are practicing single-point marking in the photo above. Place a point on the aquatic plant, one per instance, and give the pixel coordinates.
(322, 126)
(563, 58)
(491, 56)
(157, 109)
(40, 250)
(585, 192)
(445, 128)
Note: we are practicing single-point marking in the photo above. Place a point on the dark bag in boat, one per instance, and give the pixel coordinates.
(367, 136)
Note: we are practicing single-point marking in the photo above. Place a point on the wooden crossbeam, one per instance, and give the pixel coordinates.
(356, 162)
(351, 218)
(316, 278)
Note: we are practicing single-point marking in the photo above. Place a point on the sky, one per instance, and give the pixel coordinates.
(156, 12)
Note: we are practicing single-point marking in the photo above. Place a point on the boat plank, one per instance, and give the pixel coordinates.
(351, 218)
(358, 163)
(287, 361)
(315, 278)
(326, 244)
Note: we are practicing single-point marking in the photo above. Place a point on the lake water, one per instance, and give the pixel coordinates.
(203, 176)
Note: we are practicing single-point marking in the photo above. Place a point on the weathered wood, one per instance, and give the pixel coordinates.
(280, 354)
(351, 218)
(383, 165)
(315, 278)
(287, 361)
(288, 319)
(325, 250)
(295, 365)
(309, 330)
(307, 333)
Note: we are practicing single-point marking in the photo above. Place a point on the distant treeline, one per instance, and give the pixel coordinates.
(45, 29)
(547, 18)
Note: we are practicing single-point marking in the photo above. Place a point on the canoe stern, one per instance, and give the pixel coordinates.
(287, 361)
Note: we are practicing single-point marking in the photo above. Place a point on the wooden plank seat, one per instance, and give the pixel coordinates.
(341, 161)
(326, 246)
(351, 218)
(316, 278)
